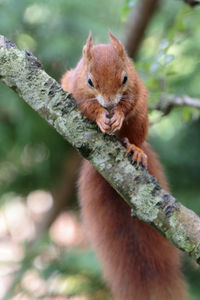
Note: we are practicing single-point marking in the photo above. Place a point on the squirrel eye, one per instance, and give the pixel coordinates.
(90, 82)
(125, 79)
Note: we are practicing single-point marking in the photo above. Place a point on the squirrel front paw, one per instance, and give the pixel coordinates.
(103, 121)
(110, 121)
(117, 120)
(138, 155)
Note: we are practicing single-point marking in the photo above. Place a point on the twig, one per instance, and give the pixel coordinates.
(166, 104)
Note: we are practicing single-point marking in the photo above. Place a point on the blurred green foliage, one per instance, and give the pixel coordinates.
(31, 153)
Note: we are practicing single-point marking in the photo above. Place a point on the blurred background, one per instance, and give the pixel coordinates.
(44, 252)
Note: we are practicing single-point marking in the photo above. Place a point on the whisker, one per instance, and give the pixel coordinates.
(85, 100)
(130, 96)
(91, 99)
(125, 97)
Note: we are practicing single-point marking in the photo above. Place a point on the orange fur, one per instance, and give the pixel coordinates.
(138, 263)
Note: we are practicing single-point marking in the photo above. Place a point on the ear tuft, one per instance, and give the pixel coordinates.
(116, 44)
(87, 49)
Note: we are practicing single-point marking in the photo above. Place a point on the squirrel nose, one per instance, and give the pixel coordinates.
(110, 106)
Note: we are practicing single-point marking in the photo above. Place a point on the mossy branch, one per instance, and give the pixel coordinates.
(23, 72)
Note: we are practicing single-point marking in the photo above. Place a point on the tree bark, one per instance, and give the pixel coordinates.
(23, 72)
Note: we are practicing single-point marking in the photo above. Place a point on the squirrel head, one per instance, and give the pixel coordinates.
(107, 71)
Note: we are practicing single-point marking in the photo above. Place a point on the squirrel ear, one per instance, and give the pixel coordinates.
(116, 44)
(87, 49)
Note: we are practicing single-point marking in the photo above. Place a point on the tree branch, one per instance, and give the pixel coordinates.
(23, 72)
(139, 20)
(137, 24)
(166, 104)
(192, 2)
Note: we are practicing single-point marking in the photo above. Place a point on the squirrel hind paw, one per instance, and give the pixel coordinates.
(137, 155)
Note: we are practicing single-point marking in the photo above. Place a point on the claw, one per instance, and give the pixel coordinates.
(138, 155)
(103, 121)
(117, 120)
(107, 124)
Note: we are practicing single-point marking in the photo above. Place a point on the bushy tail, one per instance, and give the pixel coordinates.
(138, 263)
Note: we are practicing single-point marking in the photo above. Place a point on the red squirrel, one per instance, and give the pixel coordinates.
(138, 263)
